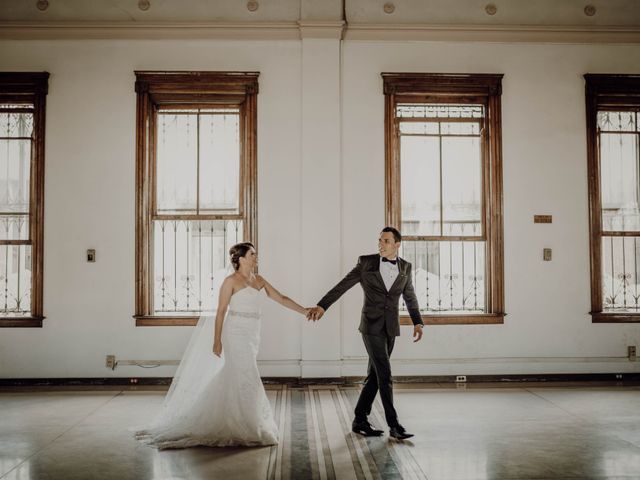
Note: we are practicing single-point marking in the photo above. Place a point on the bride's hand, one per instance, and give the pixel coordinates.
(217, 348)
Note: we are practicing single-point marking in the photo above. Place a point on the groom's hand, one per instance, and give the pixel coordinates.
(417, 333)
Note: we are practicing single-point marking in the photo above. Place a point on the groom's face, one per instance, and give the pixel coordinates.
(387, 245)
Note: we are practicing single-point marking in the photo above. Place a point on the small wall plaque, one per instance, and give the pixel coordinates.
(542, 219)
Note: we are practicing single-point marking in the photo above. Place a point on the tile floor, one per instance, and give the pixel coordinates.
(474, 433)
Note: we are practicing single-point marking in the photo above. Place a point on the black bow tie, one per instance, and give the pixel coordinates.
(390, 261)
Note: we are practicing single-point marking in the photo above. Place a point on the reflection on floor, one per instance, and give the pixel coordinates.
(523, 432)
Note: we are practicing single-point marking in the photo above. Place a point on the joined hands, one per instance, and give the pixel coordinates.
(315, 313)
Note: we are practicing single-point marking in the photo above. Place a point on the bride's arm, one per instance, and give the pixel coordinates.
(226, 290)
(275, 295)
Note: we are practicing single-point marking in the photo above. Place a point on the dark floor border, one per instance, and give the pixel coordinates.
(623, 378)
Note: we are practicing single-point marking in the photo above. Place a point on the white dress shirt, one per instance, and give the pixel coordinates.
(389, 272)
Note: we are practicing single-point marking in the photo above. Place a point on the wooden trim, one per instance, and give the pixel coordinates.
(16, 242)
(162, 321)
(82, 383)
(250, 160)
(157, 89)
(495, 228)
(21, 322)
(461, 97)
(603, 91)
(220, 104)
(469, 319)
(595, 214)
(442, 84)
(600, 317)
(438, 238)
(438, 119)
(607, 233)
(197, 84)
(392, 164)
(25, 85)
(135, 383)
(612, 84)
(483, 89)
(31, 87)
(142, 201)
(201, 216)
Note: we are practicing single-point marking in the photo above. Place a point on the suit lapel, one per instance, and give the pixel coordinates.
(379, 275)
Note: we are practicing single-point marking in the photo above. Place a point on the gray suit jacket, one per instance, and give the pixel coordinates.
(380, 309)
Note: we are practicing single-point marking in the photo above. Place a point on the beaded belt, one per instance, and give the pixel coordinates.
(244, 314)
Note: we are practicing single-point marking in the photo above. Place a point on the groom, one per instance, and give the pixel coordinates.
(383, 278)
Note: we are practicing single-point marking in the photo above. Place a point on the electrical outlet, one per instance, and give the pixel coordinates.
(461, 378)
(546, 254)
(631, 353)
(91, 255)
(111, 362)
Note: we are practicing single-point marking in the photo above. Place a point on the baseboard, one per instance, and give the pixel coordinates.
(616, 378)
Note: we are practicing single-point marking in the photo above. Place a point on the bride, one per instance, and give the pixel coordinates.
(219, 400)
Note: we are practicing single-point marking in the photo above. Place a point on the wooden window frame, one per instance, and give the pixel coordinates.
(31, 87)
(454, 88)
(603, 91)
(161, 89)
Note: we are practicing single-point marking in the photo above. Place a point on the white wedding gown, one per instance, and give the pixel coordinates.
(218, 401)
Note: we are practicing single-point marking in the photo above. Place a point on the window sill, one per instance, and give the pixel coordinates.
(157, 321)
(21, 322)
(601, 317)
(470, 319)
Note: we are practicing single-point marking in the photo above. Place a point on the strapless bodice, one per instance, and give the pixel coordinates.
(245, 301)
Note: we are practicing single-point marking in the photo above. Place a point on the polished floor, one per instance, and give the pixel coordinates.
(472, 433)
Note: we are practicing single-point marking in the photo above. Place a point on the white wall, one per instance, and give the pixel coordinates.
(545, 172)
(321, 203)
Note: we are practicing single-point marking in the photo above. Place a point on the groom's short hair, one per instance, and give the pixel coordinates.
(396, 233)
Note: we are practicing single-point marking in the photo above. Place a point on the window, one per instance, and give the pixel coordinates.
(613, 154)
(444, 191)
(196, 188)
(22, 121)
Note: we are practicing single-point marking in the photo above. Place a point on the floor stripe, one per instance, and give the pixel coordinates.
(316, 442)
(300, 445)
(359, 462)
(282, 414)
(338, 442)
(273, 451)
(327, 471)
(404, 459)
(385, 461)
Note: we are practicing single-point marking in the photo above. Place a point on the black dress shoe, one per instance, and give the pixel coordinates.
(365, 428)
(399, 433)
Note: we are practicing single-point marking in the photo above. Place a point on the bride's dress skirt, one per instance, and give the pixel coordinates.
(213, 401)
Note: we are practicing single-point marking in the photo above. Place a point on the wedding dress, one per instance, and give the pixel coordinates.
(218, 401)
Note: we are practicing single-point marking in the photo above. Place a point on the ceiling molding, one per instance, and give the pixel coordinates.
(331, 30)
(153, 31)
(494, 33)
(319, 29)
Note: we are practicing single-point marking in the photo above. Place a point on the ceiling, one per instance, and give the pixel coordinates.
(22, 18)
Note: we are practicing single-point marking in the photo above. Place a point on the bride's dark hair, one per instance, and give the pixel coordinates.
(237, 251)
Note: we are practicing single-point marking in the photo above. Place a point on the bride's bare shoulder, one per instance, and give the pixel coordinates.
(232, 281)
